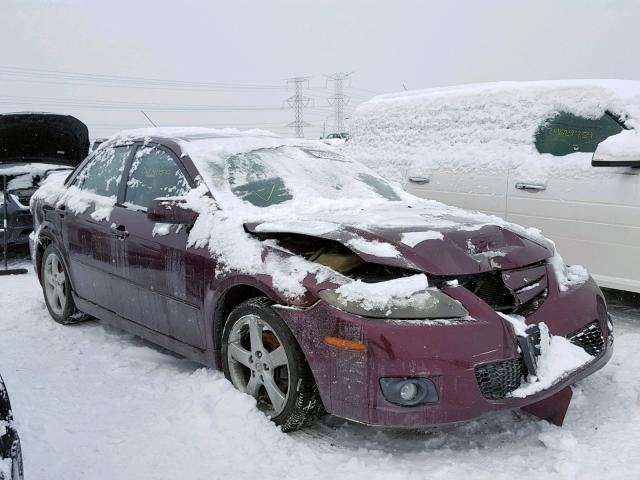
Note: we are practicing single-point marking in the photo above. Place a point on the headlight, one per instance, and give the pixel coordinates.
(428, 304)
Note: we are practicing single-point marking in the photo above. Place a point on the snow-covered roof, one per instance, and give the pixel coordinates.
(621, 88)
(493, 124)
(190, 133)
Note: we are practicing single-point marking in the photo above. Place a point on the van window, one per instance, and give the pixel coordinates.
(568, 133)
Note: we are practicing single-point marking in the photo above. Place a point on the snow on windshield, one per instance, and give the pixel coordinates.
(271, 176)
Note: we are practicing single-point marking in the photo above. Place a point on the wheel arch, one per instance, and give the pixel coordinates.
(230, 298)
(43, 241)
(46, 238)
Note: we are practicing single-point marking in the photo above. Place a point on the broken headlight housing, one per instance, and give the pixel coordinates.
(427, 304)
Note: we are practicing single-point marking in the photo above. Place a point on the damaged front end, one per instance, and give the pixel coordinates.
(457, 331)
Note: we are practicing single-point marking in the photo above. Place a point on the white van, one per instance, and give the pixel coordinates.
(523, 151)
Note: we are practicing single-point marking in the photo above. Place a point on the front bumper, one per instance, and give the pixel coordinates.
(349, 381)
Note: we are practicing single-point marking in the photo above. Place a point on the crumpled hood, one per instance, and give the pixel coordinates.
(53, 138)
(440, 245)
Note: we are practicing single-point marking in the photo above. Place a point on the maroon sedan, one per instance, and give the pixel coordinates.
(314, 284)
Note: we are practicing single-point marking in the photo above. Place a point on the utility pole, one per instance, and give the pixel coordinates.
(298, 102)
(338, 100)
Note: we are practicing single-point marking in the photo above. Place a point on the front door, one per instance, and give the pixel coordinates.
(162, 278)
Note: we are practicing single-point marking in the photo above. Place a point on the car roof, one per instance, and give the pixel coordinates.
(188, 134)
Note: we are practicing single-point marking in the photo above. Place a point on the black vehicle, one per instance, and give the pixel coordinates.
(32, 145)
(10, 452)
(97, 142)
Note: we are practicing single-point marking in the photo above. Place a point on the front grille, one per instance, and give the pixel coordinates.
(589, 338)
(497, 379)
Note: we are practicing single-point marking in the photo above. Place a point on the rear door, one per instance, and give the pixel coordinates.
(163, 278)
(592, 214)
(88, 237)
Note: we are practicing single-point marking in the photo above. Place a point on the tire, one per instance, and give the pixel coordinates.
(269, 358)
(57, 288)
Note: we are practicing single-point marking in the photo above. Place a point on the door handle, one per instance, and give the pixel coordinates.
(120, 231)
(536, 187)
(419, 180)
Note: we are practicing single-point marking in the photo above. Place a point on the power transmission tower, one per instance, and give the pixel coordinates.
(298, 102)
(338, 100)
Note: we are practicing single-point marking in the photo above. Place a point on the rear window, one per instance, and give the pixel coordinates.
(102, 173)
(568, 133)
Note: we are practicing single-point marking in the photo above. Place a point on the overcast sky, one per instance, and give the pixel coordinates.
(387, 44)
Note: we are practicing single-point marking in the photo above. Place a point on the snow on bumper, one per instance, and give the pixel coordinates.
(448, 354)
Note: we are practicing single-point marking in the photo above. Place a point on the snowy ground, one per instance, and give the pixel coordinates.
(92, 402)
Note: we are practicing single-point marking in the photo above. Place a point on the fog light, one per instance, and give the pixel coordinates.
(408, 392)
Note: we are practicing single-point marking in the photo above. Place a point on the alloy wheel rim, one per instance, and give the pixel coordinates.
(258, 363)
(55, 284)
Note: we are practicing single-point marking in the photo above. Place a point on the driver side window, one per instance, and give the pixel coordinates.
(153, 174)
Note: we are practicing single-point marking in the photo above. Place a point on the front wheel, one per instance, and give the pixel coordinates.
(262, 358)
(57, 288)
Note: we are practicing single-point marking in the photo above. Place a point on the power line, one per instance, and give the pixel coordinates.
(91, 104)
(298, 102)
(121, 80)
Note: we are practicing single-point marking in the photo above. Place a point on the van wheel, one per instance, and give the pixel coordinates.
(57, 289)
(261, 358)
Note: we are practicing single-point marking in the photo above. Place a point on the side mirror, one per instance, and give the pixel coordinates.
(621, 150)
(171, 210)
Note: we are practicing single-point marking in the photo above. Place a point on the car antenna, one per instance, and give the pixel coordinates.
(5, 228)
(148, 118)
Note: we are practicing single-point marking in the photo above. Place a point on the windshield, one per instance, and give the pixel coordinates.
(272, 176)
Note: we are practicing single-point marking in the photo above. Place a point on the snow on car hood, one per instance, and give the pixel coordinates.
(422, 239)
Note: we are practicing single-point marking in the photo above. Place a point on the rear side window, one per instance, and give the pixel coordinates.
(153, 174)
(103, 172)
(568, 133)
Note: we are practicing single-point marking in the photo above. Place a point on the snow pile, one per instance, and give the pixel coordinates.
(622, 147)
(373, 247)
(414, 238)
(383, 296)
(568, 276)
(490, 126)
(79, 201)
(558, 357)
(161, 229)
